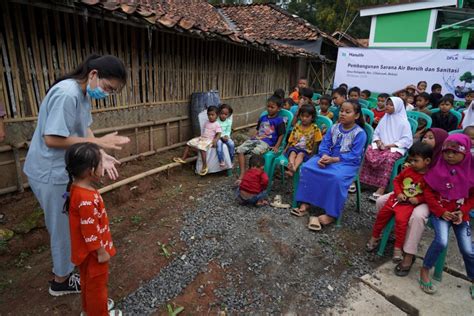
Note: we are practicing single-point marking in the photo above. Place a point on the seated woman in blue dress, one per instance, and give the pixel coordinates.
(325, 178)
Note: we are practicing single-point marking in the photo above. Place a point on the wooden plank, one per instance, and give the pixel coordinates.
(48, 47)
(142, 69)
(9, 83)
(59, 45)
(85, 33)
(36, 54)
(3, 84)
(26, 81)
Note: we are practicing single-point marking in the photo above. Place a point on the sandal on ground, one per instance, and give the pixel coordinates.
(204, 171)
(427, 287)
(277, 202)
(402, 271)
(178, 160)
(371, 246)
(314, 223)
(397, 256)
(374, 196)
(299, 212)
(115, 312)
(352, 188)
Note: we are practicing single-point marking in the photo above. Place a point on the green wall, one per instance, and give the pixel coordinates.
(406, 27)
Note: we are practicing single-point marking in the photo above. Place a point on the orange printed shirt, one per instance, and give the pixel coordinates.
(88, 223)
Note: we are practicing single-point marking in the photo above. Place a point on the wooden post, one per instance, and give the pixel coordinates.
(19, 179)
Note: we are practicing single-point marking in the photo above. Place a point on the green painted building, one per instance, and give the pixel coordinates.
(421, 24)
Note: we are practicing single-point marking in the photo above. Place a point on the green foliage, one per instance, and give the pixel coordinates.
(467, 77)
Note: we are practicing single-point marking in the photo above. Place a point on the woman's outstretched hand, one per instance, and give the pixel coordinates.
(112, 141)
(108, 164)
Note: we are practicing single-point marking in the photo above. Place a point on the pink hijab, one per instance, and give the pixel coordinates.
(453, 182)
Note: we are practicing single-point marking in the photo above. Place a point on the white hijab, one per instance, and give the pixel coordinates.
(395, 128)
(468, 116)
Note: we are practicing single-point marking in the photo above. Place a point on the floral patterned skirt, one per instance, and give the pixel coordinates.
(377, 167)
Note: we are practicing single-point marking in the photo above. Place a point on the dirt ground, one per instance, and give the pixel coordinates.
(145, 222)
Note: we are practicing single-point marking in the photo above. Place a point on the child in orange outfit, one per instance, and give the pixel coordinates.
(91, 241)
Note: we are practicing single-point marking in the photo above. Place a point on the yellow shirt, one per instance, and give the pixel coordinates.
(305, 137)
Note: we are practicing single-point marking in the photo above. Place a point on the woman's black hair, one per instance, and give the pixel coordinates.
(226, 106)
(107, 66)
(279, 93)
(358, 110)
(212, 108)
(308, 109)
(80, 158)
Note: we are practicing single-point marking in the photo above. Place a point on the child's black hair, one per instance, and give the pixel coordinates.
(289, 101)
(256, 161)
(420, 82)
(358, 110)
(435, 86)
(469, 92)
(446, 99)
(226, 106)
(308, 109)
(276, 100)
(307, 92)
(366, 92)
(107, 66)
(410, 95)
(449, 95)
(325, 97)
(212, 108)
(384, 95)
(354, 89)
(344, 85)
(421, 149)
(80, 158)
(279, 93)
(341, 91)
(467, 129)
(403, 91)
(424, 95)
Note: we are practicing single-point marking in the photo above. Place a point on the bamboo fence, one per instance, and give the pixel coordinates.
(37, 45)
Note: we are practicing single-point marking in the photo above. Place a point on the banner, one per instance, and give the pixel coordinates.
(389, 70)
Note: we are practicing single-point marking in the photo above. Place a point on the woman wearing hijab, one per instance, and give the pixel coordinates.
(392, 138)
(468, 119)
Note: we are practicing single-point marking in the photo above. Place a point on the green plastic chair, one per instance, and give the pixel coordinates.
(270, 156)
(282, 161)
(454, 112)
(364, 103)
(420, 115)
(316, 96)
(372, 102)
(368, 113)
(456, 131)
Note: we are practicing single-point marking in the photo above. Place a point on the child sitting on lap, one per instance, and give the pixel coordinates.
(210, 136)
(225, 121)
(252, 188)
(408, 193)
(270, 132)
(303, 139)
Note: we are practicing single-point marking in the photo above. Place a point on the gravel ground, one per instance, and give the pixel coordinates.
(273, 263)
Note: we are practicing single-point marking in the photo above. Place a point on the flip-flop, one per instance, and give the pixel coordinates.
(402, 271)
(204, 171)
(297, 212)
(110, 304)
(179, 160)
(370, 247)
(374, 197)
(314, 223)
(397, 256)
(427, 287)
(352, 188)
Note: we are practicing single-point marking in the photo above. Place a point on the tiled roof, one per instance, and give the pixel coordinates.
(202, 19)
(344, 39)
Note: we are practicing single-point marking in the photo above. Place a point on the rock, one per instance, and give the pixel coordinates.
(33, 220)
(6, 234)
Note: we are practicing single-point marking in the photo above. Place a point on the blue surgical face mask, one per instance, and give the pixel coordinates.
(96, 93)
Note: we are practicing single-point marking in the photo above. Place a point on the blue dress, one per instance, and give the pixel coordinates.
(327, 187)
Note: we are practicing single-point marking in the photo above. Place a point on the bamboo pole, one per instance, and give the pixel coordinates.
(19, 179)
(142, 175)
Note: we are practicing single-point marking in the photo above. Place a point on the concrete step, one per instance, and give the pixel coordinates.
(452, 297)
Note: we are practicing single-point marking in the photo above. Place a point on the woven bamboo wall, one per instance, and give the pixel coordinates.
(37, 45)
